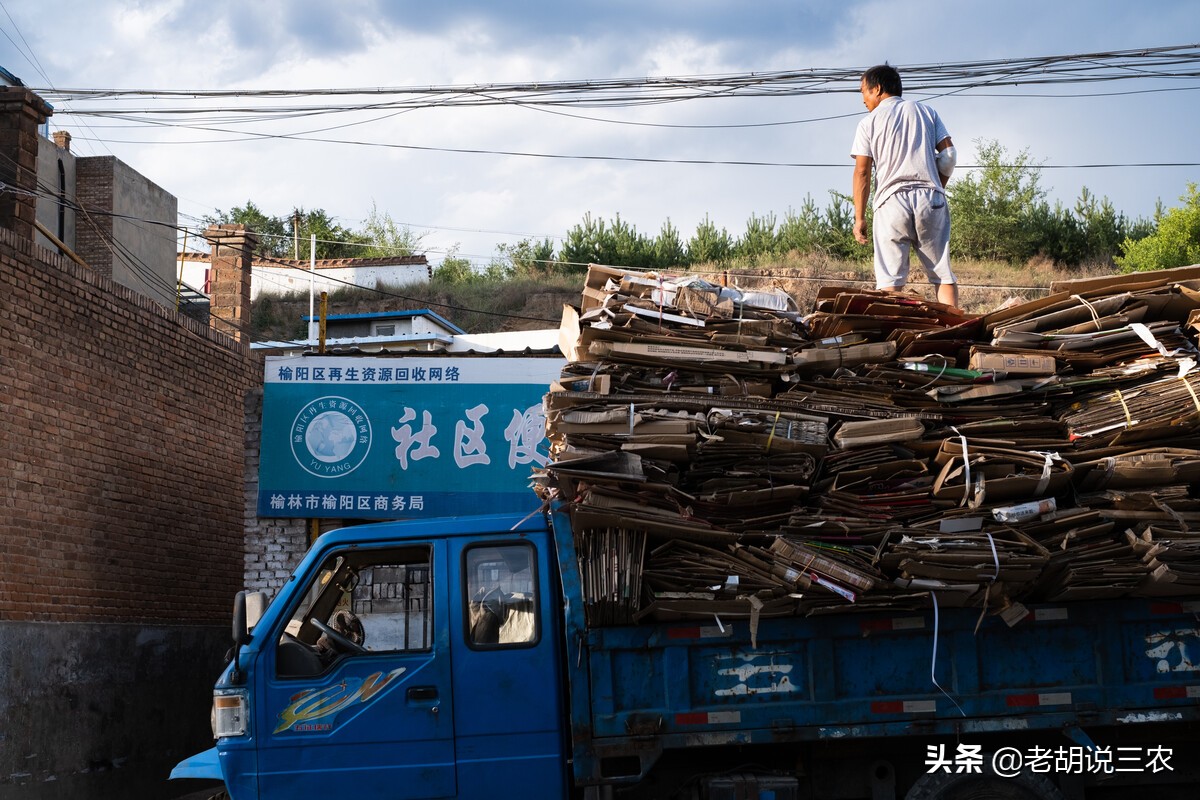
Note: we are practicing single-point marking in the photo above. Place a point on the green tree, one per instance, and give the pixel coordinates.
(1103, 227)
(290, 236)
(709, 244)
(588, 242)
(630, 248)
(388, 238)
(497, 271)
(594, 241)
(530, 258)
(800, 230)
(990, 207)
(759, 239)
(1092, 230)
(668, 249)
(1175, 243)
(333, 240)
(1058, 233)
(837, 229)
(455, 269)
(273, 235)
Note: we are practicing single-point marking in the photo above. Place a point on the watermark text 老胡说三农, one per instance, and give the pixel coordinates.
(1008, 762)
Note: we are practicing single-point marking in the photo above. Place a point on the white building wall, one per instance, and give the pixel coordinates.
(425, 325)
(286, 280)
(283, 280)
(195, 274)
(509, 341)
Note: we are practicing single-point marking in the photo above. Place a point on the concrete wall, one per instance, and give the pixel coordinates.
(100, 711)
(122, 518)
(52, 159)
(148, 265)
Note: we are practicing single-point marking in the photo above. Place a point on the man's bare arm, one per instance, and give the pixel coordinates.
(861, 191)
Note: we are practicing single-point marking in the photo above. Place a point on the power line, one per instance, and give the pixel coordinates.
(1172, 62)
(31, 57)
(1071, 96)
(1163, 63)
(134, 121)
(37, 64)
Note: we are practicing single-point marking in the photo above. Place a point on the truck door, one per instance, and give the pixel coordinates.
(507, 689)
(355, 694)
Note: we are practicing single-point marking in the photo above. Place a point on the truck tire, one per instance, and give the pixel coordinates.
(984, 786)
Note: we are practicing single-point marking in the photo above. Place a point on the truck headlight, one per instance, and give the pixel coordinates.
(229, 712)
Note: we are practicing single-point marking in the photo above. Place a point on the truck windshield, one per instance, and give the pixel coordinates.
(360, 602)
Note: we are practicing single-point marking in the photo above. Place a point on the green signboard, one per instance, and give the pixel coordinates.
(392, 438)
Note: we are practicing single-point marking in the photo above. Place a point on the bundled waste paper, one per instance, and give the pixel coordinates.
(725, 452)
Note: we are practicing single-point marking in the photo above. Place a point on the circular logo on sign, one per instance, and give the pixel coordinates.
(331, 437)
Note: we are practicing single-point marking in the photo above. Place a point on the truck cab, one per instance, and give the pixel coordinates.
(403, 660)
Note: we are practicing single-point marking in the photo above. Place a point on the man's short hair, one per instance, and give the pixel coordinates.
(884, 77)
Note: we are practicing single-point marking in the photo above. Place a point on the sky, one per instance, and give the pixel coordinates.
(471, 202)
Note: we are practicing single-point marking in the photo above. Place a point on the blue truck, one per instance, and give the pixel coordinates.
(451, 658)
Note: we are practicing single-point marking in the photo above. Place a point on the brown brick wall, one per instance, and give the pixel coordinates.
(121, 450)
(229, 284)
(21, 111)
(94, 177)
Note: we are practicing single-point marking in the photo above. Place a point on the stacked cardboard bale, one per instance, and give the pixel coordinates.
(723, 452)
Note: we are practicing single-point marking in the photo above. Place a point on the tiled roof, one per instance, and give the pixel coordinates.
(322, 263)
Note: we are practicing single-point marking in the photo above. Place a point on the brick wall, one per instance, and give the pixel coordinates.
(121, 467)
(21, 112)
(121, 450)
(93, 232)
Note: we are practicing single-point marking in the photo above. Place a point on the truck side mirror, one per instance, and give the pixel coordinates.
(256, 605)
(241, 631)
(241, 634)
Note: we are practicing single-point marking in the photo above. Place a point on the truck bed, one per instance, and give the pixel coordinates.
(655, 688)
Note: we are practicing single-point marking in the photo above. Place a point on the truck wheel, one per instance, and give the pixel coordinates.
(985, 786)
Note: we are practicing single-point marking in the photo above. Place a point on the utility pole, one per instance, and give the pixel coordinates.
(296, 234)
(312, 282)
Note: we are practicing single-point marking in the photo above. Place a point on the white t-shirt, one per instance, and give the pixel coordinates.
(901, 137)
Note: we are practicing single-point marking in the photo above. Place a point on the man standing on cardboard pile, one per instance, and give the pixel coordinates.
(911, 153)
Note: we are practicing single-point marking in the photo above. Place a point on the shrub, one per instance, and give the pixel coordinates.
(1176, 242)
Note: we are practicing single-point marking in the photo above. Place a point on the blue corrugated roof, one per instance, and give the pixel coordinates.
(11, 79)
(344, 341)
(392, 315)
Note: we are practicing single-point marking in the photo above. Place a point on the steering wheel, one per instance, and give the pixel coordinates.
(341, 640)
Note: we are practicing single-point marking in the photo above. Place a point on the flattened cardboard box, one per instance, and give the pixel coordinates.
(862, 433)
(845, 356)
(683, 353)
(1013, 363)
